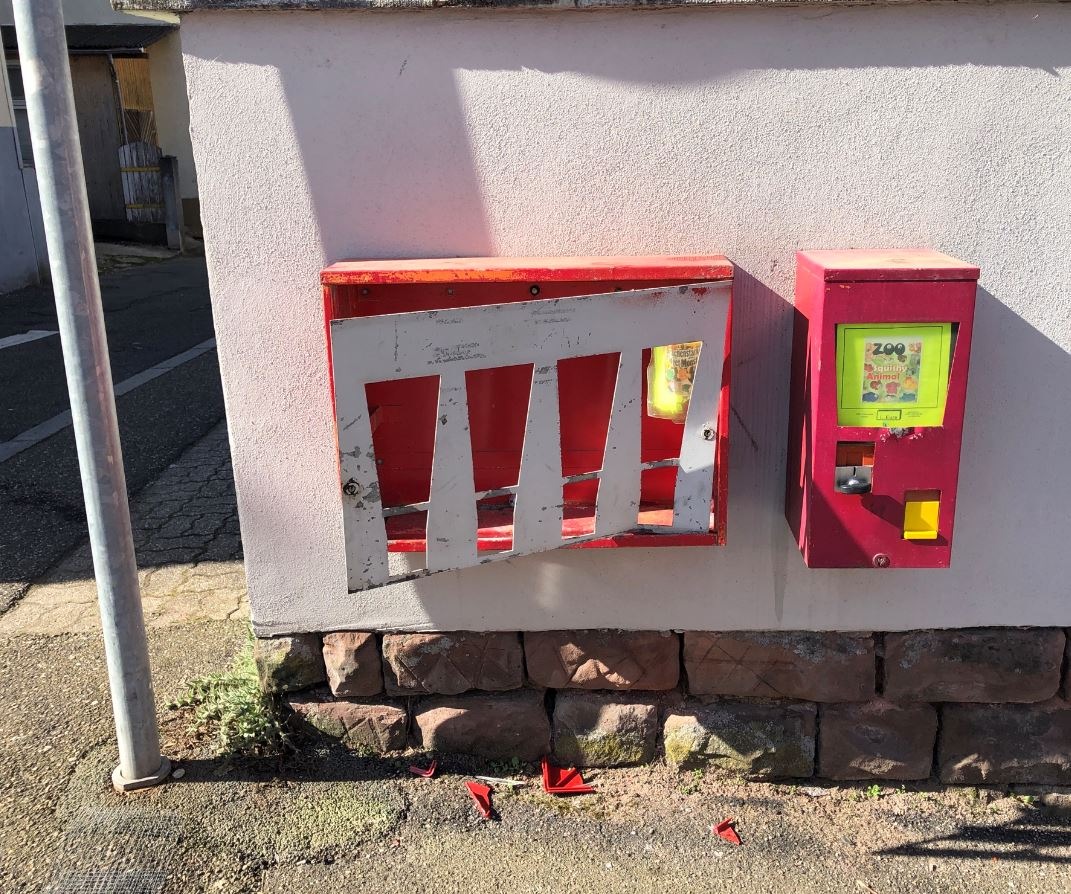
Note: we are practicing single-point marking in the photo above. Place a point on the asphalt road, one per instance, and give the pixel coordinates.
(152, 313)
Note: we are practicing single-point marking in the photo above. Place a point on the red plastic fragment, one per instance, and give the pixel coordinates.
(559, 781)
(481, 794)
(725, 830)
(426, 773)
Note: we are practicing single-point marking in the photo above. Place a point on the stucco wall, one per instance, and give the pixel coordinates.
(321, 136)
(172, 108)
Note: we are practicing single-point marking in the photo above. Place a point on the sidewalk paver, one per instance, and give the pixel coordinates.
(188, 547)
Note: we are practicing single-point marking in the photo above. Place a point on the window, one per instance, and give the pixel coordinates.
(22, 121)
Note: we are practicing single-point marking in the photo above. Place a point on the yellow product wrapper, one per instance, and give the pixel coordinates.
(669, 380)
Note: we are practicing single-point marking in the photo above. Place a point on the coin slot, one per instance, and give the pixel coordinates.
(854, 472)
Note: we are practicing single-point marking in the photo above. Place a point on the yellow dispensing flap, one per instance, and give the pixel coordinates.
(920, 518)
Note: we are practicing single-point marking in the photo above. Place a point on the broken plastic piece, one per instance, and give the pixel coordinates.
(559, 781)
(725, 830)
(481, 794)
(497, 780)
(426, 773)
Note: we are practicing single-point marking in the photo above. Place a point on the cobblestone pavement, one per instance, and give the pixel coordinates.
(188, 546)
(154, 314)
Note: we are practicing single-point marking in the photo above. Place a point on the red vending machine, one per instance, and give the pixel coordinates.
(881, 347)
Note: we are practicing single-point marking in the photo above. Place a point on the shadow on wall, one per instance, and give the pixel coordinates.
(416, 183)
(1025, 442)
(409, 182)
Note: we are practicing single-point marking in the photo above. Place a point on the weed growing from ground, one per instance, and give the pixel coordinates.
(504, 768)
(231, 708)
(692, 783)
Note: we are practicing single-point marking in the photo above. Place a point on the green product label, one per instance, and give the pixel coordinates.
(894, 375)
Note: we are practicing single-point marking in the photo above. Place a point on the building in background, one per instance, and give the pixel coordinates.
(130, 97)
(22, 244)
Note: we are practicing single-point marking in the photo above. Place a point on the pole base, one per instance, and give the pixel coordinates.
(121, 784)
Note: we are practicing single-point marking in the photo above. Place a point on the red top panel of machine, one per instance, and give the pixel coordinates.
(888, 265)
(498, 270)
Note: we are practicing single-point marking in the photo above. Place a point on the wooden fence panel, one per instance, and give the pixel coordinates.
(139, 165)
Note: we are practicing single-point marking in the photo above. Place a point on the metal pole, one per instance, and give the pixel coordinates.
(57, 153)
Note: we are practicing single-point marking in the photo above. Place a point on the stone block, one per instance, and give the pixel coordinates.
(363, 725)
(502, 726)
(353, 665)
(1003, 744)
(755, 739)
(452, 663)
(289, 663)
(876, 740)
(597, 729)
(998, 664)
(821, 667)
(603, 659)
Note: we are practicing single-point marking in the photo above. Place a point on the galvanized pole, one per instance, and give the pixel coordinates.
(57, 153)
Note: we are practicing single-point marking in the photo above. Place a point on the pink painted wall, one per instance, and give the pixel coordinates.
(323, 136)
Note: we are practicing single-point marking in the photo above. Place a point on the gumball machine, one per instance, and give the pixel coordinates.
(881, 350)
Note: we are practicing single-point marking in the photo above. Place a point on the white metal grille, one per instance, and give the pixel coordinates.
(121, 850)
(449, 343)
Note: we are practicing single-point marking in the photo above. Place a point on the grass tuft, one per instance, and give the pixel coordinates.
(692, 783)
(231, 708)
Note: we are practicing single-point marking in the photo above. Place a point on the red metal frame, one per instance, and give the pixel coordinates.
(836, 530)
(404, 411)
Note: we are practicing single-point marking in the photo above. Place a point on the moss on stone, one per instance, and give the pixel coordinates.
(364, 726)
(595, 729)
(606, 750)
(754, 740)
(289, 663)
(325, 723)
(682, 747)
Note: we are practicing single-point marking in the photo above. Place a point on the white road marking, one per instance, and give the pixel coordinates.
(49, 427)
(31, 335)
